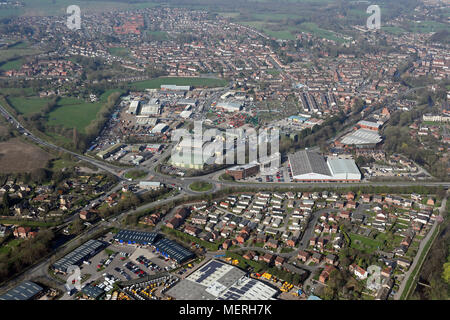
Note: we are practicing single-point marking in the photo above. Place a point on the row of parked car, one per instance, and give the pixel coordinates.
(135, 269)
(148, 264)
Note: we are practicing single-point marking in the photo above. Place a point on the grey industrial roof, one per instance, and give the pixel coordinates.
(218, 280)
(24, 291)
(369, 123)
(86, 250)
(304, 162)
(362, 136)
(139, 237)
(173, 250)
(342, 166)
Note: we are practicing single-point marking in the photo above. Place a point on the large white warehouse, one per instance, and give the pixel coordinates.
(310, 166)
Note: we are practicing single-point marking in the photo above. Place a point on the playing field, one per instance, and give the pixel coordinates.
(180, 81)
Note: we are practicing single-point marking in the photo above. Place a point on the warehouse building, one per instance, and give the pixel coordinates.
(173, 250)
(134, 107)
(344, 169)
(172, 87)
(27, 290)
(109, 151)
(307, 166)
(150, 110)
(77, 256)
(160, 128)
(136, 237)
(150, 185)
(230, 106)
(362, 138)
(220, 281)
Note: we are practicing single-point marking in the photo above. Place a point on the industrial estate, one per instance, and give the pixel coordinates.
(162, 152)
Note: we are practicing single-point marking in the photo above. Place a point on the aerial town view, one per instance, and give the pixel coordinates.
(224, 150)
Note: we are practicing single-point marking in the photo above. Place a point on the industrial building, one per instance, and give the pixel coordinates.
(150, 185)
(134, 107)
(173, 250)
(344, 169)
(150, 110)
(310, 166)
(362, 138)
(136, 237)
(77, 256)
(220, 281)
(109, 151)
(172, 87)
(26, 290)
(230, 106)
(165, 247)
(160, 128)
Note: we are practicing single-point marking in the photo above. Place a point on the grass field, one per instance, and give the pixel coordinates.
(358, 242)
(119, 52)
(74, 113)
(29, 105)
(59, 7)
(200, 186)
(135, 174)
(18, 156)
(15, 64)
(181, 81)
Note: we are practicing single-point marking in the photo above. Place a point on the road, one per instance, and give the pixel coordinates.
(417, 259)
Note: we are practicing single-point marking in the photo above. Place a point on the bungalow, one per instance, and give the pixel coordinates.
(24, 233)
(345, 214)
(366, 198)
(268, 258)
(313, 241)
(173, 223)
(250, 255)
(242, 237)
(325, 274)
(316, 257)
(199, 220)
(330, 259)
(272, 243)
(430, 202)
(303, 255)
(191, 230)
(279, 261)
(226, 244)
(182, 213)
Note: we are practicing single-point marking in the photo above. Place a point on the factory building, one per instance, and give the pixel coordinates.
(217, 280)
(230, 106)
(361, 138)
(310, 166)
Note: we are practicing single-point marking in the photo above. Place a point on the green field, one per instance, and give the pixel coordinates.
(27, 106)
(119, 52)
(158, 35)
(15, 64)
(135, 174)
(59, 7)
(200, 186)
(74, 113)
(370, 244)
(181, 81)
